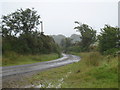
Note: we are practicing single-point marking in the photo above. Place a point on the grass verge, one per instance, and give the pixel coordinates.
(87, 73)
(12, 58)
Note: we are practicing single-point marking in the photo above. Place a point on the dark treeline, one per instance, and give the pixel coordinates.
(20, 34)
(107, 42)
(30, 44)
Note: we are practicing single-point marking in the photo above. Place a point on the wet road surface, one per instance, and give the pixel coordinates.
(19, 69)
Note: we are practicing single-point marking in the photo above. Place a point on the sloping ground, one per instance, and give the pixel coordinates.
(93, 71)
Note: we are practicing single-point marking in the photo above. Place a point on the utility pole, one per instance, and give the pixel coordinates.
(41, 27)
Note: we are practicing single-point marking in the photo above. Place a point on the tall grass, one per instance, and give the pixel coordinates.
(0, 60)
(95, 71)
(90, 58)
(93, 58)
(12, 58)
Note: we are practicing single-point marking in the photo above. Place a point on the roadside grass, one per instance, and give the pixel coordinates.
(84, 74)
(0, 59)
(103, 76)
(11, 58)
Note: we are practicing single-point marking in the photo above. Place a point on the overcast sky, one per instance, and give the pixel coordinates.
(59, 16)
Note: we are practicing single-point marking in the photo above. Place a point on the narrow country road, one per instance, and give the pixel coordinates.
(15, 73)
(12, 70)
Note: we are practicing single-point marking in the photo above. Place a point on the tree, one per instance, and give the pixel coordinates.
(20, 22)
(109, 39)
(66, 43)
(20, 34)
(88, 35)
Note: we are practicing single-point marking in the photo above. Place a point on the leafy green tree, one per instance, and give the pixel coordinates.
(109, 39)
(88, 35)
(20, 22)
(20, 34)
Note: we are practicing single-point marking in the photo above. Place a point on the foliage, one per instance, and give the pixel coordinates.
(109, 39)
(20, 22)
(65, 44)
(112, 51)
(20, 34)
(88, 35)
(75, 48)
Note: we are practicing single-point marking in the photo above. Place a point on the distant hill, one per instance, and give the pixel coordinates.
(58, 38)
(75, 38)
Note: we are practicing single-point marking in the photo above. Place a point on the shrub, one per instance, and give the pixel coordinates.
(111, 51)
(93, 59)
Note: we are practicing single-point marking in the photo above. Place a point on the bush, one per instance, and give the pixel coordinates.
(93, 59)
(109, 39)
(111, 51)
(74, 49)
(11, 57)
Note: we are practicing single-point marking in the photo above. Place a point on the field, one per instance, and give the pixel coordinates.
(12, 58)
(92, 71)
